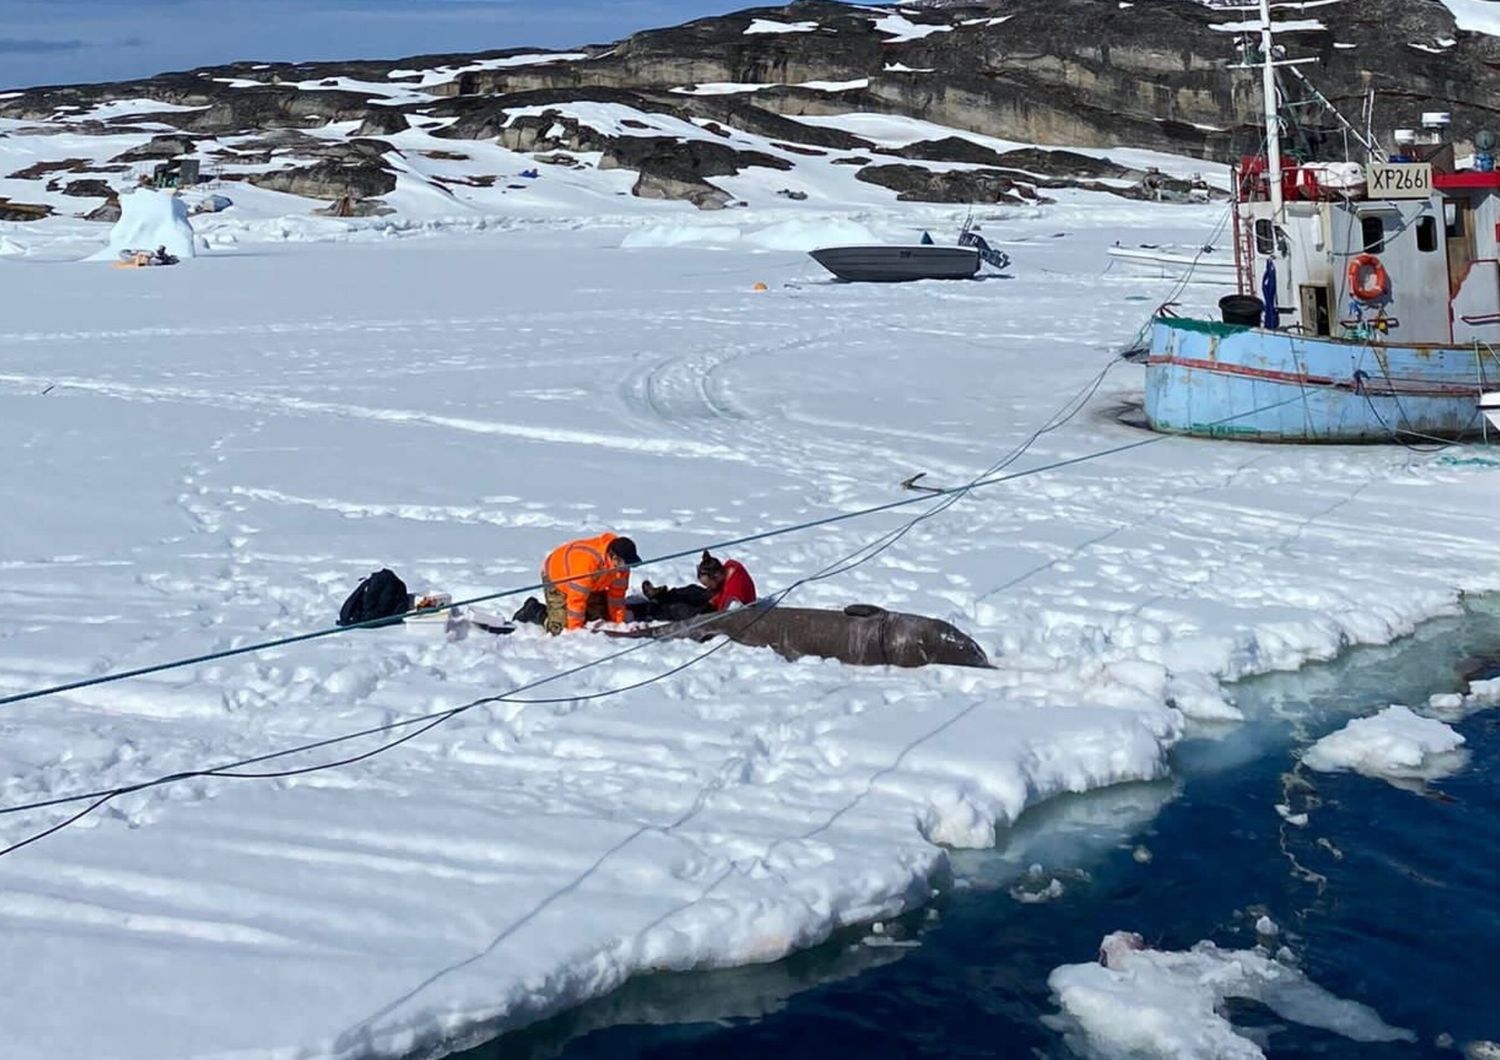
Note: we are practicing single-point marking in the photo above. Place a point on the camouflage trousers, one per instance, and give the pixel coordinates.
(557, 609)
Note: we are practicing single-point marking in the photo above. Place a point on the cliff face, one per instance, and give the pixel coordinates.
(1154, 73)
(1092, 73)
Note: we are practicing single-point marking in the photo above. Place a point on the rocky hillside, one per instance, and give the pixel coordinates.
(1086, 73)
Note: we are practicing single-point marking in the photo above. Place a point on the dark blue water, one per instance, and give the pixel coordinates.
(1388, 897)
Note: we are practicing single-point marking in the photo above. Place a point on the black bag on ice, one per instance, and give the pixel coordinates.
(381, 595)
(532, 612)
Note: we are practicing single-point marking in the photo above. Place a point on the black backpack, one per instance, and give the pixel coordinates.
(381, 595)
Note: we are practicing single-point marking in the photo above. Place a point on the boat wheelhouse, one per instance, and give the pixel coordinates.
(1367, 305)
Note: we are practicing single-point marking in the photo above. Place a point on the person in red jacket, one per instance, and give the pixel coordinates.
(727, 580)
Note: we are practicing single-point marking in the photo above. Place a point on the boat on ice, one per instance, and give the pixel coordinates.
(894, 263)
(1170, 262)
(900, 263)
(1367, 304)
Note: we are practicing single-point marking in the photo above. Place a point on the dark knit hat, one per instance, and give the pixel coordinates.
(709, 565)
(623, 549)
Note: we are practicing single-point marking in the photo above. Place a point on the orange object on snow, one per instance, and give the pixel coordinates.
(759, 286)
(582, 567)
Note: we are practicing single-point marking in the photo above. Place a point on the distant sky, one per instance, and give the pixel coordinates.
(65, 41)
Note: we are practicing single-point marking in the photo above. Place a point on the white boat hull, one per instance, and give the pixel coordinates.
(1489, 404)
(1171, 264)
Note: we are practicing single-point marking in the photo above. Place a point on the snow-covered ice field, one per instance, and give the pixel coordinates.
(207, 455)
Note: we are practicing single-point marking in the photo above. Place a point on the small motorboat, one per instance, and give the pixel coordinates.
(895, 263)
(1193, 264)
(899, 262)
(1489, 404)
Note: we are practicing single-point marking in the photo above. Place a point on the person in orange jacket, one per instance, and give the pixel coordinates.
(587, 579)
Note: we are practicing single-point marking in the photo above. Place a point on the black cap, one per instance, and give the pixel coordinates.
(623, 549)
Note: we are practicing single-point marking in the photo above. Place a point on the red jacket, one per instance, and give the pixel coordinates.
(738, 588)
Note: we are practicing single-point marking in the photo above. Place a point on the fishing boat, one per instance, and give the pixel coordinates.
(1367, 296)
(901, 262)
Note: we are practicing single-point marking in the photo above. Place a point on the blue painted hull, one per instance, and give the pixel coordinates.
(1220, 381)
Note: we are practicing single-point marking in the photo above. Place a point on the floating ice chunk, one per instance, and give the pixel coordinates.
(1267, 927)
(1486, 693)
(1455, 706)
(1297, 819)
(1027, 896)
(1393, 745)
(1141, 1002)
(1036, 887)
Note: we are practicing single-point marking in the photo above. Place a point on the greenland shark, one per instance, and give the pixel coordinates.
(860, 635)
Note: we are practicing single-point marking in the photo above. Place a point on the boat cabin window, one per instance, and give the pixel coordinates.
(1427, 234)
(1372, 234)
(1264, 243)
(1269, 241)
(1453, 219)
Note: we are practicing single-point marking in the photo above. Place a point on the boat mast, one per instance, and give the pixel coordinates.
(1273, 123)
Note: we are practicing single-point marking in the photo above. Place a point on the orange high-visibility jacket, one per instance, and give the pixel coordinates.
(582, 567)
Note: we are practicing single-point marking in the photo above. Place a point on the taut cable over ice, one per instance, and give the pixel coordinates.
(989, 479)
(946, 498)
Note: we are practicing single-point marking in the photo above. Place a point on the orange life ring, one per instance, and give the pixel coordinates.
(1368, 280)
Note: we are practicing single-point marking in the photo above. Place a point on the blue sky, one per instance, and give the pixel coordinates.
(66, 41)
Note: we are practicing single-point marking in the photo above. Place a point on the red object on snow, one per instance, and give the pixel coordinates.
(738, 588)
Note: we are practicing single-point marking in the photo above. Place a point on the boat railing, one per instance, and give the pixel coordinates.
(1368, 330)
